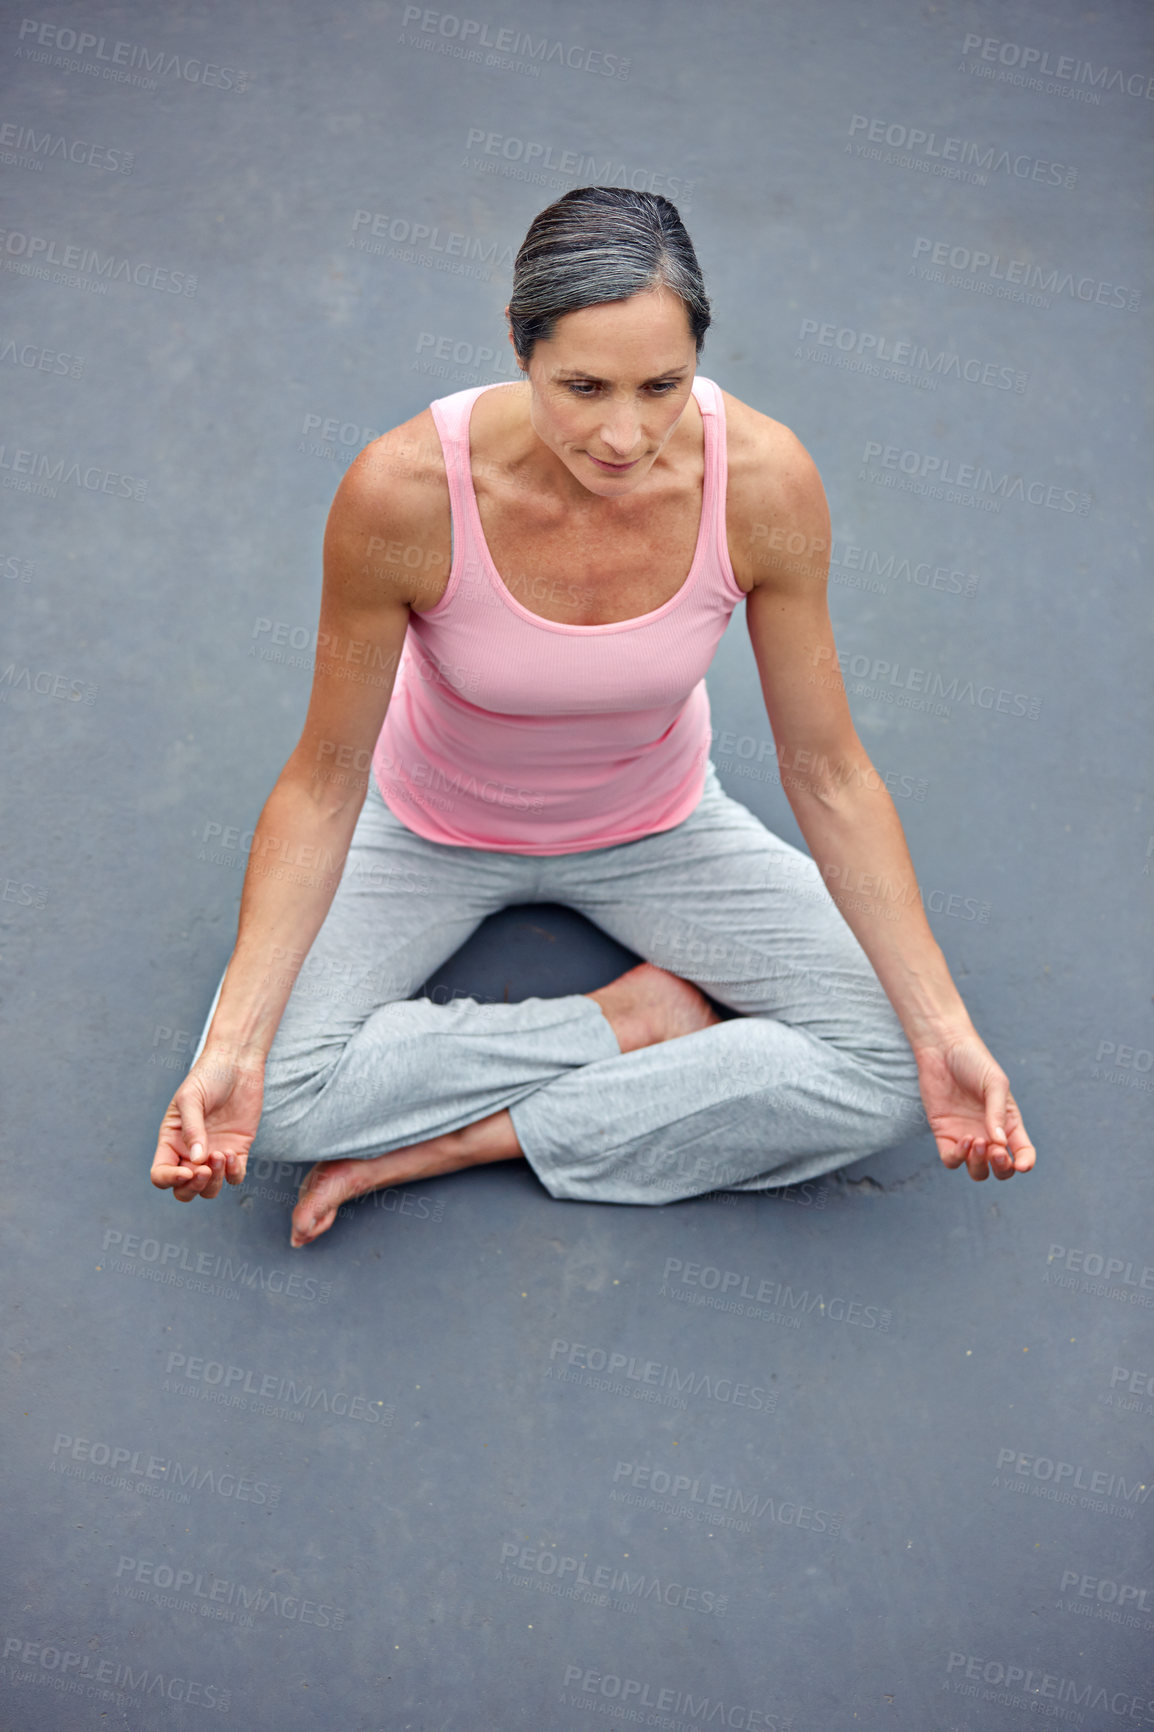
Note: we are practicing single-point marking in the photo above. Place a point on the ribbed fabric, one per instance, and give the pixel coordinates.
(512, 732)
(813, 1071)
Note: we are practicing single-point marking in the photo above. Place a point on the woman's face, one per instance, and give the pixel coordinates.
(611, 385)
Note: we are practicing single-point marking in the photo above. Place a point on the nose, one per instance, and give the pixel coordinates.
(619, 435)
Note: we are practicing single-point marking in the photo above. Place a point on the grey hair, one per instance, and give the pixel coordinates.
(597, 244)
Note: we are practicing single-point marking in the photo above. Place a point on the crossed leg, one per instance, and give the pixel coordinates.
(814, 1071)
(643, 1007)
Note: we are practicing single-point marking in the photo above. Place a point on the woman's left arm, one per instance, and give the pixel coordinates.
(847, 816)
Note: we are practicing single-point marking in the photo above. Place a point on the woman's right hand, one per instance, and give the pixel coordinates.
(208, 1129)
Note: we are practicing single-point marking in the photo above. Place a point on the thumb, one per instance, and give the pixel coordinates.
(996, 1095)
(1001, 1158)
(951, 1150)
(192, 1129)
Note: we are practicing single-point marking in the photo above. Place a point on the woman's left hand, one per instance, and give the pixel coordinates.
(973, 1115)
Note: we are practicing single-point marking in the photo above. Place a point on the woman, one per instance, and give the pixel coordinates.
(523, 588)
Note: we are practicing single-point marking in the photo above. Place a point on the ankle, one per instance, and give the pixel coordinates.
(630, 1023)
(490, 1139)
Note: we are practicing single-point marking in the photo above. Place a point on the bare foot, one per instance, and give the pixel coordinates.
(649, 1005)
(330, 1183)
(644, 1007)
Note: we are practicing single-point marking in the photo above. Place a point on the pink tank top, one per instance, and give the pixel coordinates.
(512, 732)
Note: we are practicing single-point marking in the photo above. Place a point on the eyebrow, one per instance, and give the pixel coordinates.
(579, 373)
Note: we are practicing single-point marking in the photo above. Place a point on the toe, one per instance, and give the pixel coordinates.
(311, 1225)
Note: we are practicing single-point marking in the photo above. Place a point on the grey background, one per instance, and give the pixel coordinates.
(913, 1554)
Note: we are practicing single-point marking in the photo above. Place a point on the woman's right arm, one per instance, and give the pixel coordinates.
(375, 520)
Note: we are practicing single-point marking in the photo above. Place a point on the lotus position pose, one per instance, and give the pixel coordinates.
(524, 586)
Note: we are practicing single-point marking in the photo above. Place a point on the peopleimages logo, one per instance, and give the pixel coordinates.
(1034, 1684)
(734, 1285)
(880, 672)
(943, 478)
(45, 684)
(40, 359)
(427, 243)
(81, 1672)
(606, 1579)
(43, 473)
(716, 1499)
(90, 263)
(583, 1684)
(904, 355)
(1039, 63)
(522, 158)
(216, 1591)
(217, 1266)
(659, 1376)
(71, 48)
(1018, 275)
(121, 1461)
(230, 1383)
(472, 34)
(24, 147)
(1106, 1591)
(1122, 1269)
(1055, 1475)
(931, 151)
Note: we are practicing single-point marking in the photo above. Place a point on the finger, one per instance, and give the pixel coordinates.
(997, 1095)
(191, 1128)
(976, 1159)
(196, 1184)
(206, 1177)
(216, 1177)
(184, 1193)
(1001, 1161)
(236, 1166)
(164, 1177)
(1021, 1148)
(952, 1153)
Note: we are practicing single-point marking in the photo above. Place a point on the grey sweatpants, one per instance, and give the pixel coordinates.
(814, 1072)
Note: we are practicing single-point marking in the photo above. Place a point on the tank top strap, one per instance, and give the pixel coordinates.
(713, 425)
(720, 568)
(451, 418)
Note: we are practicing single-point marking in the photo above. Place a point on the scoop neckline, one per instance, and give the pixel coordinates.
(507, 596)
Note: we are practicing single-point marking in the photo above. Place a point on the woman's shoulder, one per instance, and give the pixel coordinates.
(773, 494)
(754, 437)
(395, 493)
(767, 464)
(406, 457)
(402, 474)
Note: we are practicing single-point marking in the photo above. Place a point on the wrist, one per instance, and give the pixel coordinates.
(938, 1031)
(234, 1053)
(930, 1006)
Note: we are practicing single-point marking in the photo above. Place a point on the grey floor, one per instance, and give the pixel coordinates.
(380, 1483)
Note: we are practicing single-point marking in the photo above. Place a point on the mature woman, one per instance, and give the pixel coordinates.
(524, 586)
